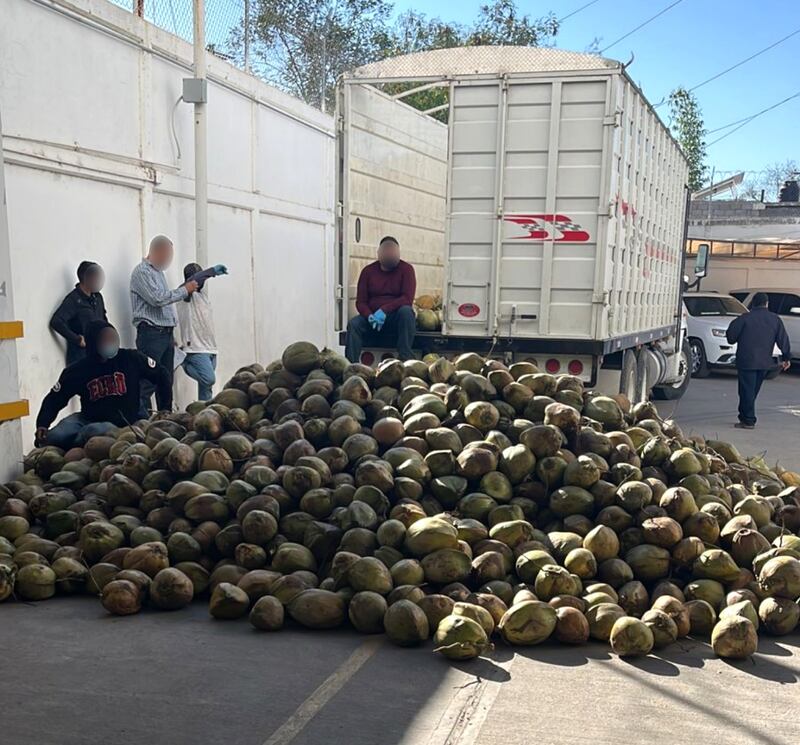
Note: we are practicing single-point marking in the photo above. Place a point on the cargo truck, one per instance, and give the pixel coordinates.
(539, 194)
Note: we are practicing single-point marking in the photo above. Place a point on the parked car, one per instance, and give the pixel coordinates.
(786, 303)
(709, 314)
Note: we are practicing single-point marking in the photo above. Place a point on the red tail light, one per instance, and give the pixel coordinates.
(552, 366)
(367, 358)
(575, 367)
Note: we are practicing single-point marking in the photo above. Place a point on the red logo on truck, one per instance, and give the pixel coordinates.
(468, 310)
(556, 228)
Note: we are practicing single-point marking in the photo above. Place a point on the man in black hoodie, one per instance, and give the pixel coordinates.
(107, 381)
(755, 334)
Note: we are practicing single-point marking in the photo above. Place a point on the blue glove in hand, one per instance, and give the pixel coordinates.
(379, 317)
(220, 269)
(372, 322)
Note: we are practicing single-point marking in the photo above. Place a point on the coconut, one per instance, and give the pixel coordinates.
(716, 564)
(171, 589)
(366, 611)
(648, 563)
(662, 626)
(676, 610)
(301, 357)
(631, 637)
(780, 577)
(460, 638)
(98, 539)
(121, 597)
(370, 574)
(743, 608)
(258, 583)
(571, 625)
(633, 598)
(445, 566)
(267, 614)
(661, 531)
(430, 534)
(228, 602)
(702, 617)
(601, 618)
(527, 623)
(477, 613)
(779, 616)
(406, 624)
(149, 558)
(436, 607)
(604, 410)
(734, 638)
(71, 575)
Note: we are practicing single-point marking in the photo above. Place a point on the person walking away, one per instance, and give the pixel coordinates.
(79, 308)
(196, 337)
(154, 313)
(107, 381)
(755, 334)
(384, 302)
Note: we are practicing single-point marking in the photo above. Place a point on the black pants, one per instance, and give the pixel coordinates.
(749, 385)
(156, 342)
(399, 328)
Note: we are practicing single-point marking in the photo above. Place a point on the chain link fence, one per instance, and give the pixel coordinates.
(226, 21)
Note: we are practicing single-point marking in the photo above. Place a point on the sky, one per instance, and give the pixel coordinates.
(686, 45)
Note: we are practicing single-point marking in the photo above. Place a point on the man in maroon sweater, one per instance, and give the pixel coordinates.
(386, 290)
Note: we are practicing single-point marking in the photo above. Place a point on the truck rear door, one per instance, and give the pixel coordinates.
(527, 185)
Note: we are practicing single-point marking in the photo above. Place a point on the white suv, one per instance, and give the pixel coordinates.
(709, 314)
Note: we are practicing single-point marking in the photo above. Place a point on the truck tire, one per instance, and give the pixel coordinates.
(674, 391)
(699, 362)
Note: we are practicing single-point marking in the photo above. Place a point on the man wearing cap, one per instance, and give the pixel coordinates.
(79, 308)
(755, 334)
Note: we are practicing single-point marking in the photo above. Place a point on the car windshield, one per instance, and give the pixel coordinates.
(714, 306)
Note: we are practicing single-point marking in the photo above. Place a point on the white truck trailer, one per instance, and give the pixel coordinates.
(548, 211)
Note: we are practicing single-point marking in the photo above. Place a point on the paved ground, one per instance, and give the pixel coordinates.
(72, 675)
(710, 406)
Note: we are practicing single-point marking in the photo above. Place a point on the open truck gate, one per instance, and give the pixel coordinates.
(549, 211)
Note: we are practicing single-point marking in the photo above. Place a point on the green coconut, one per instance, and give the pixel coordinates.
(631, 637)
(318, 609)
(267, 614)
(171, 589)
(406, 624)
(702, 617)
(662, 626)
(601, 618)
(527, 623)
(780, 577)
(779, 616)
(228, 602)
(98, 539)
(460, 638)
(446, 565)
(35, 582)
(121, 597)
(71, 575)
(734, 638)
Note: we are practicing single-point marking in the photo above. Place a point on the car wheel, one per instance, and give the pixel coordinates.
(674, 391)
(697, 357)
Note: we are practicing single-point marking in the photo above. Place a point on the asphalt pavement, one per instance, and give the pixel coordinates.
(72, 675)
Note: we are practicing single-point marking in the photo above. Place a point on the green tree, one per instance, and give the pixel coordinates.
(303, 46)
(686, 123)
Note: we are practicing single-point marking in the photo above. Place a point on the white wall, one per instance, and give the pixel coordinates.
(726, 274)
(93, 172)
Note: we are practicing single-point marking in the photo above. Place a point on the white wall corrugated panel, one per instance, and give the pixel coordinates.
(92, 171)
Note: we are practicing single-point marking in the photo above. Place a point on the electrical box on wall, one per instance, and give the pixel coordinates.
(195, 90)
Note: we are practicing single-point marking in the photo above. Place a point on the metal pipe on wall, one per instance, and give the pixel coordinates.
(200, 140)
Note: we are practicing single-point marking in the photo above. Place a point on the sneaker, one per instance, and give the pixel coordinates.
(744, 425)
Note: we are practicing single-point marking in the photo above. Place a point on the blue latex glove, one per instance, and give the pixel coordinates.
(220, 269)
(379, 317)
(372, 322)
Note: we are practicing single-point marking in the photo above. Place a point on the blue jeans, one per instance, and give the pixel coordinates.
(398, 331)
(74, 430)
(157, 343)
(749, 385)
(200, 366)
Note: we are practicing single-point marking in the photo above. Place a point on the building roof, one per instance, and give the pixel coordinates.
(477, 60)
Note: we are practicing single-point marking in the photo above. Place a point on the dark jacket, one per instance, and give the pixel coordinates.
(755, 334)
(385, 290)
(108, 389)
(76, 312)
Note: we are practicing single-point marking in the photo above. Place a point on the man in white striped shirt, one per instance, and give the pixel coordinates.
(153, 313)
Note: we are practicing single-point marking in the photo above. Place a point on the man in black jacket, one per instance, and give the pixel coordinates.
(755, 334)
(107, 381)
(79, 308)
